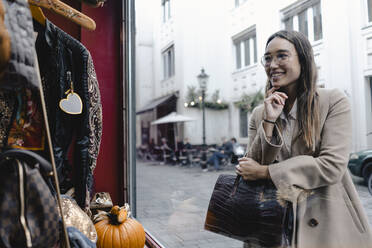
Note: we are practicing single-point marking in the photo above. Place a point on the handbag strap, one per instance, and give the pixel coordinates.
(236, 183)
(27, 155)
(50, 145)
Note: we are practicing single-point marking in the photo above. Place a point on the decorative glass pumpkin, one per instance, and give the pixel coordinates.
(116, 230)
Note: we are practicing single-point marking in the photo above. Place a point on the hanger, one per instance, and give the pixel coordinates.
(38, 14)
(65, 10)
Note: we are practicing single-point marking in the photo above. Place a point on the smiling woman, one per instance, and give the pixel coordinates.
(300, 139)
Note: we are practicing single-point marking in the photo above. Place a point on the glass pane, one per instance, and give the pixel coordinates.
(288, 23)
(164, 12)
(369, 2)
(169, 63)
(317, 17)
(165, 66)
(302, 22)
(243, 123)
(169, 9)
(255, 48)
(238, 55)
(247, 56)
(172, 63)
(370, 87)
(179, 142)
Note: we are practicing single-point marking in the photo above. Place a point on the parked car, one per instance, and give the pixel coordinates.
(360, 164)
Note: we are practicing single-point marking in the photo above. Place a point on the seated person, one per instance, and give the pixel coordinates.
(166, 149)
(185, 151)
(225, 151)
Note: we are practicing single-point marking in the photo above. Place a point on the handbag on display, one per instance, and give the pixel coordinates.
(248, 211)
(29, 214)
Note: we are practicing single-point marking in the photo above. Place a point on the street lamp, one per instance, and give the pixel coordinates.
(203, 80)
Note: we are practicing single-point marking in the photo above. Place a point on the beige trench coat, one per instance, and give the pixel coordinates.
(326, 205)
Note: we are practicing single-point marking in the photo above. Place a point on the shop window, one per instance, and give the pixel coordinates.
(243, 120)
(245, 50)
(168, 62)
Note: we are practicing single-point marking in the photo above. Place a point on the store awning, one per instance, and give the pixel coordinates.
(172, 118)
(155, 103)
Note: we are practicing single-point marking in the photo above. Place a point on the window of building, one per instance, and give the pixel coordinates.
(245, 50)
(370, 87)
(305, 17)
(166, 7)
(243, 120)
(303, 23)
(288, 23)
(369, 7)
(317, 19)
(238, 55)
(168, 62)
(239, 2)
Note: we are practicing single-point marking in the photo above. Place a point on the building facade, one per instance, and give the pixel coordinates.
(227, 39)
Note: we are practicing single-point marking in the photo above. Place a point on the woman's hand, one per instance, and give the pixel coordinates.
(249, 169)
(274, 104)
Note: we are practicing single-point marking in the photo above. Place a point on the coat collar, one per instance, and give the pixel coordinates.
(292, 114)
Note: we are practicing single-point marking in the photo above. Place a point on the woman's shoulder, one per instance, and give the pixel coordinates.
(332, 98)
(330, 95)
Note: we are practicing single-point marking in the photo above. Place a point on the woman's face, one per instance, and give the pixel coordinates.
(281, 63)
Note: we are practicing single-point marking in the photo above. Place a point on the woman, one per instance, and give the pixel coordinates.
(300, 139)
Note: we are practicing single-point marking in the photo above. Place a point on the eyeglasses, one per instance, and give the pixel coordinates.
(280, 58)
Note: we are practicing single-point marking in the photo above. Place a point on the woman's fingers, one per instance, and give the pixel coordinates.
(281, 94)
(278, 100)
(274, 99)
(277, 97)
(271, 90)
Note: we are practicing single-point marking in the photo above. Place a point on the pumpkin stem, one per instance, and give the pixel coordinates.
(118, 215)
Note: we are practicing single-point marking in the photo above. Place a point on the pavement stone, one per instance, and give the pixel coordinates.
(172, 203)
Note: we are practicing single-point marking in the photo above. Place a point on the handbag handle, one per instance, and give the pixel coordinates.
(236, 183)
(237, 179)
(27, 155)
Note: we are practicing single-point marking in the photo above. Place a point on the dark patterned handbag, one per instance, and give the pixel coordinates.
(29, 214)
(248, 211)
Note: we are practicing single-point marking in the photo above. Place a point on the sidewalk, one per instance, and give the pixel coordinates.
(172, 203)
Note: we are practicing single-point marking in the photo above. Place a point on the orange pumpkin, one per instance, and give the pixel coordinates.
(116, 230)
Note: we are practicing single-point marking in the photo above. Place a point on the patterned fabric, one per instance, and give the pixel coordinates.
(20, 70)
(40, 211)
(95, 114)
(7, 105)
(60, 54)
(27, 131)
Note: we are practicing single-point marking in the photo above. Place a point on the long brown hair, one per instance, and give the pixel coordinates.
(308, 108)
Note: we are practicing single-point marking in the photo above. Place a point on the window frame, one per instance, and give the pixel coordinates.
(243, 124)
(245, 57)
(292, 14)
(168, 62)
(239, 3)
(166, 10)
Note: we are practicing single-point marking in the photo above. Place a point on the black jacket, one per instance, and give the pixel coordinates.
(80, 134)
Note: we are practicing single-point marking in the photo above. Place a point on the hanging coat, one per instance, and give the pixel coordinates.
(58, 53)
